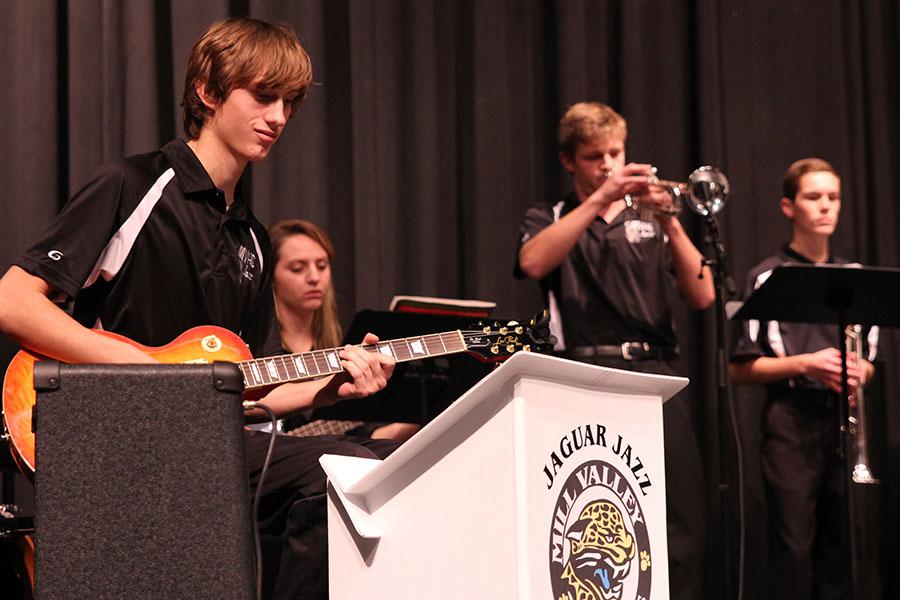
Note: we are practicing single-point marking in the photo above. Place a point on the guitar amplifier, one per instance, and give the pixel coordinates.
(141, 487)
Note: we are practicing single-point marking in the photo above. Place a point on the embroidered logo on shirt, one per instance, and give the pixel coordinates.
(55, 254)
(637, 230)
(248, 263)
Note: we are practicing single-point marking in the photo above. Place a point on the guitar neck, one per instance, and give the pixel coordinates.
(291, 368)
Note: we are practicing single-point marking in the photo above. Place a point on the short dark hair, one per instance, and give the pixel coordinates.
(791, 182)
(243, 53)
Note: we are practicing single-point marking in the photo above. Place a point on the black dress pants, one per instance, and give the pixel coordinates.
(685, 500)
(293, 507)
(809, 554)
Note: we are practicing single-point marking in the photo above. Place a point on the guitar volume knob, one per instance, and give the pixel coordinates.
(212, 343)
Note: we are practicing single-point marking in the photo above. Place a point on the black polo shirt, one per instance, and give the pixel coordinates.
(778, 339)
(616, 285)
(147, 249)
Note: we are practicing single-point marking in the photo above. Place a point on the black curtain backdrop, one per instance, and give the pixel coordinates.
(431, 129)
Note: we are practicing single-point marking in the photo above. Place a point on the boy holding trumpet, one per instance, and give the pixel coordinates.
(608, 277)
(801, 369)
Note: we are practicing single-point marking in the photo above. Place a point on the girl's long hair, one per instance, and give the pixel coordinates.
(326, 327)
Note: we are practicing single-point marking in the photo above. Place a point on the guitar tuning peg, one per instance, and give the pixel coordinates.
(520, 329)
(486, 329)
(504, 330)
(495, 350)
(511, 348)
(526, 348)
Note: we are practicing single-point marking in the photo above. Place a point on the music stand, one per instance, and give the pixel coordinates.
(839, 294)
(418, 390)
(824, 294)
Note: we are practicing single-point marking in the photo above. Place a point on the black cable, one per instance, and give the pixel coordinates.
(259, 486)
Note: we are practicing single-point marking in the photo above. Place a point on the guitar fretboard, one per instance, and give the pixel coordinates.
(274, 370)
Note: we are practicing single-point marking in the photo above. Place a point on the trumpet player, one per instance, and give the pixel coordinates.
(608, 278)
(801, 370)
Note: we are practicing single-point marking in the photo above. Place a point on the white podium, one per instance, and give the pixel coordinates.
(544, 481)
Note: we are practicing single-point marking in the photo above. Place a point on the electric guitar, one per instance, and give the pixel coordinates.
(207, 344)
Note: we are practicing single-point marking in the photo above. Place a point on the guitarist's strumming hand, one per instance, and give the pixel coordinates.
(129, 354)
(365, 373)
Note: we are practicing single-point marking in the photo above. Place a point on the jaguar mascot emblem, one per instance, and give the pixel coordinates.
(601, 553)
(599, 544)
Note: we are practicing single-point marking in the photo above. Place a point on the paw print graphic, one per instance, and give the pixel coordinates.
(645, 560)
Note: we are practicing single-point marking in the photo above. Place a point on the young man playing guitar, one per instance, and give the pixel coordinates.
(161, 242)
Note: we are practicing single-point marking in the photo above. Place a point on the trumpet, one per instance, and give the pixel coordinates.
(704, 192)
(856, 411)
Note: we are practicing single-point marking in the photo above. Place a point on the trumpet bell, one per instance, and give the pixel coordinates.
(704, 192)
(707, 190)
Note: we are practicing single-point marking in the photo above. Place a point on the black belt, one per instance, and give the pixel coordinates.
(625, 351)
(806, 397)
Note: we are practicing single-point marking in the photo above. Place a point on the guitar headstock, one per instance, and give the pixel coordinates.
(496, 341)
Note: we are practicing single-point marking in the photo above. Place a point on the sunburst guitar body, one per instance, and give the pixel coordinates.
(197, 345)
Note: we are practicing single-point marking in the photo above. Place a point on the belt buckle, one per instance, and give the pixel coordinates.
(627, 346)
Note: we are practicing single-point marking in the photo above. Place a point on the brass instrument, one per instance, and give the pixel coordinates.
(704, 192)
(856, 410)
(647, 212)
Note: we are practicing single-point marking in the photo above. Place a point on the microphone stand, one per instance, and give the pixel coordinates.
(724, 289)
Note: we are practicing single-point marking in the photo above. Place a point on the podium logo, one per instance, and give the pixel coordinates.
(599, 547)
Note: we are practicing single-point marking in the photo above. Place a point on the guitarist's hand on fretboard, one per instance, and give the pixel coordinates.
(365, 373)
